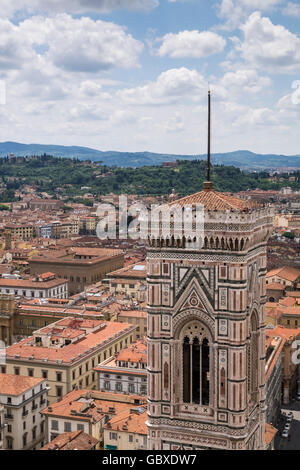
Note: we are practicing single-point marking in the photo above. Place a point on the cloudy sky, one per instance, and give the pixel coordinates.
(132, 75)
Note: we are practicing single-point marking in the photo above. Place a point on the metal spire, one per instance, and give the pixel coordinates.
(208, 144)
(208, 184)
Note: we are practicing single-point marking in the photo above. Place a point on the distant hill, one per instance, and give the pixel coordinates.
(242, 158)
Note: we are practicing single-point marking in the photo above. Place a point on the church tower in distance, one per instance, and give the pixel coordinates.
(206, 327)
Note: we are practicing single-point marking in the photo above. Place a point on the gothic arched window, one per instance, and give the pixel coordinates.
(252, 359)
(195, 364)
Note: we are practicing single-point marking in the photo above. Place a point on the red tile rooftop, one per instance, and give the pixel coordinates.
(130, 422)
(132, 313)
(91, 405)
(17, 384)
(213, 200)
(275, 286)
(27, 350)
(76, 440)
(286, 272)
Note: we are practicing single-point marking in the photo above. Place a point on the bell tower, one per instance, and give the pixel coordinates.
(206, 326)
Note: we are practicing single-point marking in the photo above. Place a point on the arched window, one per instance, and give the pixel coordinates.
(195, 364)
(252, 359)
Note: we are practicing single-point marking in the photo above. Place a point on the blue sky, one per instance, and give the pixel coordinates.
(132, 75)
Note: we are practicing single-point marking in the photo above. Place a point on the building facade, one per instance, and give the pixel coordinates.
(80, 266)
(126, 372)
(66, 352)
(23, 398)
(206, 328)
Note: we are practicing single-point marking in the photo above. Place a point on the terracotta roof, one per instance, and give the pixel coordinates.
(289, 334)
(137, 270)
(137, 352)
(15, 385)
(286, 272)
(71, 351)
(287, 301)
(275, 286)
(132, 313)
(270, 433)
(290, 311)
(129, 421)
(76, 440)
(30, 284)
(277, 342)
(213, 200)
(87, 405)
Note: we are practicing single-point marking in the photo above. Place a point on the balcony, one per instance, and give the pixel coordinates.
(25, 413)
(34, 407)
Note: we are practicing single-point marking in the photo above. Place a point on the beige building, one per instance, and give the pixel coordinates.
(65, 229)
(87, 225)
(23, 232)
(130, 280)
(87, 411)
(125, 372)
(80, 266)
(23, 398)
(286, 276)
(66, 352)
(44, 286)
(127, 430)
(134, 317)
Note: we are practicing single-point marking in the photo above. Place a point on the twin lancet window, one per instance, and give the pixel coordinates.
(195, 351)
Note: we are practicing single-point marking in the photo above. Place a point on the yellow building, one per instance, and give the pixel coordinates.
(24, 231)
(66, 352)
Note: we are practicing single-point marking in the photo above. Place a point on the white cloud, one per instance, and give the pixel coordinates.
(9, 7)
(245, 81)
(235, 11)
(191, 44)
(83, 45)
(269, 46)
(14, 48)
(258, 116)
(170, 87)
(292, 9)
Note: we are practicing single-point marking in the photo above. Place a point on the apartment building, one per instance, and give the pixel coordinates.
(44, 286)
(127, 430)
(88, 225)
(87, 411)
(126, 371)
(66, 352)
(45, 204)
(274, 375)
(23, 398)
(65, 229)
(130, 280)
(23, 232)
(135, 317)
(80, 266)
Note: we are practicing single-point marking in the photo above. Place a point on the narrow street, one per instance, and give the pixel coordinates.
(293, 441)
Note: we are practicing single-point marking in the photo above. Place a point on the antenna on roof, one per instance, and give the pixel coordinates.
(208, 184)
